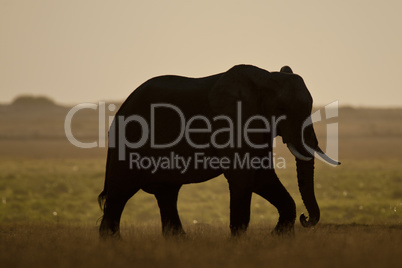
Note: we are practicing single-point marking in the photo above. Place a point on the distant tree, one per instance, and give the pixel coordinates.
(37, 101)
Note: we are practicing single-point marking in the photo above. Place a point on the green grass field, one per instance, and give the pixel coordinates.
(49, 211)
(65, 190)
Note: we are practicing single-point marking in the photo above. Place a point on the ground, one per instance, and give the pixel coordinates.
(60, 245)
(49, 212)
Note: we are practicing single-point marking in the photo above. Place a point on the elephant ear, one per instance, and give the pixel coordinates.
(242, 83)
(286, 69)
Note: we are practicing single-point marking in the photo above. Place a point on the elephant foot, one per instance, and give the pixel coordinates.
(174, 233)
(238, 231)
(109, 230)
(108, 235)
(284, 230)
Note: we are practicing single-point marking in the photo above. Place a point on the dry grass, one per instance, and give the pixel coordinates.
(50, 245)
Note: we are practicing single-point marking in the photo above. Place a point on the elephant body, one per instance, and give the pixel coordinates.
(190, 95)
(206, 104)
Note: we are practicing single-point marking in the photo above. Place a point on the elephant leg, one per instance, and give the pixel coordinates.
(240, 200)
(167, 202)
(270, 188)
(114, 205)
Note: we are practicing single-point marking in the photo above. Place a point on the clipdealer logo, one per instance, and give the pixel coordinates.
(186, 129)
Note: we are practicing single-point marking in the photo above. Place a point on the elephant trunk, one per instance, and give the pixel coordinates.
(305, 178)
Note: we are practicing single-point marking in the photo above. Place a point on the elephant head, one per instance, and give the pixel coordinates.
(277, 94)
(304, 161)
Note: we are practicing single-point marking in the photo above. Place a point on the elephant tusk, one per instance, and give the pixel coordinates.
(297, 154)
(322, 156)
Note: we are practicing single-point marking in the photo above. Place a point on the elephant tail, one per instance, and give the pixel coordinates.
(103, 195)
(102, 200)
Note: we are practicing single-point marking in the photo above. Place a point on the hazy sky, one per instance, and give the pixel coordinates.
(80, 51)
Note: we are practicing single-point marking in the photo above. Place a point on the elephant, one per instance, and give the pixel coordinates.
(148, 129)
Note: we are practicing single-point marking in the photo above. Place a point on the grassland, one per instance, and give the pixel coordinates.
(60, 245)
(48, 208)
